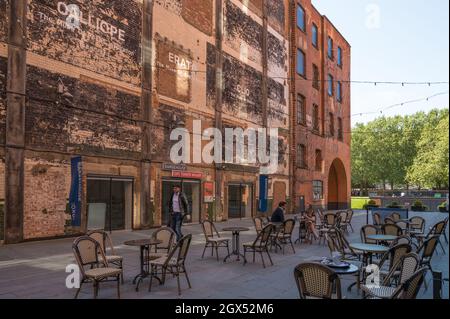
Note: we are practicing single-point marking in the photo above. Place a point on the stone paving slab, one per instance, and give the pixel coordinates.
(37, 269)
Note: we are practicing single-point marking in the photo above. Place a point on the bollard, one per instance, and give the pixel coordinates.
(437, 285)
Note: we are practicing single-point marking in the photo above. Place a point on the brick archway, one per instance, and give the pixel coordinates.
(337, 186)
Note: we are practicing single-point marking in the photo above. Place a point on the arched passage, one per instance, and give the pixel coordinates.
(337, 186)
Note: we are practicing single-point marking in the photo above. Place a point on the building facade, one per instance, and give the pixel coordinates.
(110, 81)
(321, 117)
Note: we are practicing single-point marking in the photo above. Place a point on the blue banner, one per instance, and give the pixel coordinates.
(263, 193)
(76, 191)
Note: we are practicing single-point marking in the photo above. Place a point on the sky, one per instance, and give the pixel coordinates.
(394, 40)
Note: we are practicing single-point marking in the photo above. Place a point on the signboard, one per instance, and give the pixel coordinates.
(189, 175)
(76, 191)
(208, 192)
(263, 193)
(174, 167)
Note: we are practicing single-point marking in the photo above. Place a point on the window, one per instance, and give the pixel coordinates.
(330, 48)
(301, 156)
(316, 123)
(301, 21)
(319, 160)
(315, 36)
(301, 109)
(316, 77)
(331, 119)
(317, 190)
(301, 63)
(339, 56)
(340, 129)
(330, 85)
(339, 91)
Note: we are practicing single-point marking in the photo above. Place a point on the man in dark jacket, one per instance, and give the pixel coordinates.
(179, 209)
(278, 214)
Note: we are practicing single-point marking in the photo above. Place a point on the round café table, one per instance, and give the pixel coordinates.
(368, 250)
(236, 231)
(144, 245)
(382, 238)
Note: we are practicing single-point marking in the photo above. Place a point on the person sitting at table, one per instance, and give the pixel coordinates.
(310, 219)
(278, 214)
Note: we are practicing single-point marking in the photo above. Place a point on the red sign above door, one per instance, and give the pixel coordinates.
(191, 175)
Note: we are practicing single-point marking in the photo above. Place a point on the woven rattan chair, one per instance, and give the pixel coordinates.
(168, 237)
(107, 246)
(93, 265)
(408, 265)
(391, 229)
(174, 263)
(417, 225)
(284, 236)
(330, 220)
(367, 231)
(377, 220)
(349, 220)
(260, 245)
(316, 281)
(427, 250)
(389, 221)
(259, 224)
(402, 240)
(404, 226)
(391, 258)
(213, 239)
(437, 230)
(396, 217)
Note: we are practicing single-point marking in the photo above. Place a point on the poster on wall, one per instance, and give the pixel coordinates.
(76, 191)
(263, 193)
(208, 192)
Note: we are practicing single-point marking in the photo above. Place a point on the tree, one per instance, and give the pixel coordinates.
(431, 165)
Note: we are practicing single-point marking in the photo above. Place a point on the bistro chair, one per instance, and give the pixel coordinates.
(396, 217)
(389, 221)
(391, 229)
(106, 245)
(213, 239)
(417, 225)
(405, 240)
(342, 221)
(284, 236)
(437, 230)
(168, 237)
(316, 281)
(377, 219)
(93, 265)
(408, 265)
(260, 245)
(367, 231)
(259, 224)
(426, 252)
(174, 263)
(330, 220)
(389, 260)
(348, 222)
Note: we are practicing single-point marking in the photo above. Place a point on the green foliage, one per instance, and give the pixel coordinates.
(394, 205)
(371, 203)
(402, 151)
(418, 206)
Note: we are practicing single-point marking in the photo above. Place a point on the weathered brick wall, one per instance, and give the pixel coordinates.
(3, 74)
(46, 196)
(3, 21)
(276, 15)
(101, 36)
(56, 118)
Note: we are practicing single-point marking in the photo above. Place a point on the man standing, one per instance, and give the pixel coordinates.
(178, 208)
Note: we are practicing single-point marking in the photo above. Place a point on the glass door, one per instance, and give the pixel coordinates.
(240, 200)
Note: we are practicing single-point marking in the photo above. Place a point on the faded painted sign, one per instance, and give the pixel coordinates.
(101, 36)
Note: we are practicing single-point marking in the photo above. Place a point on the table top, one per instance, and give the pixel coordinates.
(143, 242)
(382, 237)
(352, 269)
(369, 248)
(236, 229)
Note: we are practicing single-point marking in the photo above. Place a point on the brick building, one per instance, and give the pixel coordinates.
(320, 89)
(110, 80)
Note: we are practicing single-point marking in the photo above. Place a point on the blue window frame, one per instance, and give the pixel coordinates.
(339, 92)
(330, 85)
(339, 56)
(301, 63)
(315, 36)
(330, 48)
(301, 20)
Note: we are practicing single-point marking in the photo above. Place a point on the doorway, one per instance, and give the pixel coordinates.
(240, 201)
(110, 203)
(192, 190)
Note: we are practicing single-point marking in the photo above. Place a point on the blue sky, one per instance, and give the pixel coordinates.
(407, 41)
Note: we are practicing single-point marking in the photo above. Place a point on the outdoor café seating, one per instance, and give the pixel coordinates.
(260, 245)
(390, 260)
(106, 245)
(284, 236)
(316, 281)
(174, 264)
(93, 265)
(167, 237)
(213, 239)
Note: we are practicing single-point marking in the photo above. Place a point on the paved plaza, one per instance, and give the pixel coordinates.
(37, 269)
